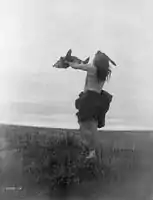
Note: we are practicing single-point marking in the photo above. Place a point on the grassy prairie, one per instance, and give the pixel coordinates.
(128, 153)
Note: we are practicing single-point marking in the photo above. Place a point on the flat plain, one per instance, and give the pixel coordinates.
(128, 152)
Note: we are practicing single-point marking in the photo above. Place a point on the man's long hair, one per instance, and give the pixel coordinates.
(101, 62)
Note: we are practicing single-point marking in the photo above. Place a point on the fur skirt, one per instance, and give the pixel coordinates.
(93, 106)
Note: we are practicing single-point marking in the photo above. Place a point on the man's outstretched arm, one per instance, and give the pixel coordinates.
(84, 67)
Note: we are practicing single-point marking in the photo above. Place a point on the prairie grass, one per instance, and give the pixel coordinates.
(55, 158)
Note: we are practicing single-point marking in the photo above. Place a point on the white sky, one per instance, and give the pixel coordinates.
(34, 33)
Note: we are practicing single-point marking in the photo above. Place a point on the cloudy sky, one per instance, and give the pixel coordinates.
(34, 33)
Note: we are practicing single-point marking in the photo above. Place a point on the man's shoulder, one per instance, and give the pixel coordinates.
(91, 69)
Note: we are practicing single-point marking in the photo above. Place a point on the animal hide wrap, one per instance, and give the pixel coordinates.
(91, 105)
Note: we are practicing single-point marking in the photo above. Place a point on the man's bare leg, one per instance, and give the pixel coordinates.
(96, 138)
(90, 136)
(87, 134)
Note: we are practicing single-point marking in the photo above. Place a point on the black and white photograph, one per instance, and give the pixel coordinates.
(76, 107)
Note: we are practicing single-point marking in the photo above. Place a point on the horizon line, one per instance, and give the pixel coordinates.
(108, 128)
